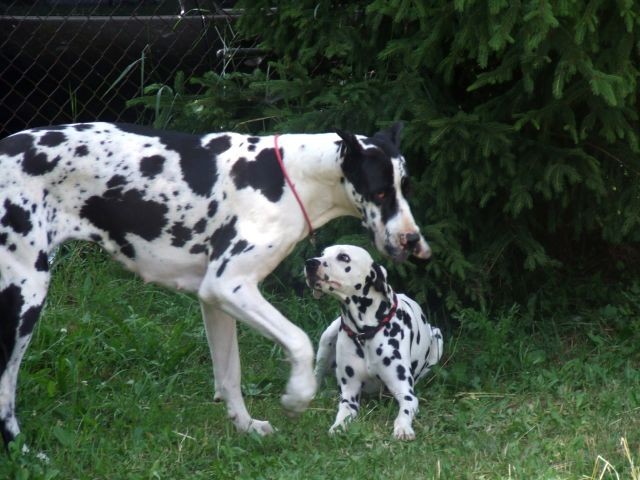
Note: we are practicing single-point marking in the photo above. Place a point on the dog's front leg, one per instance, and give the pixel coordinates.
(223, 345)
(398, 384)
(349, 404)
(241, 299)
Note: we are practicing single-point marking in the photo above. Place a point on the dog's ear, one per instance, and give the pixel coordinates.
(350, 141)
(393, 133)
(380, 280)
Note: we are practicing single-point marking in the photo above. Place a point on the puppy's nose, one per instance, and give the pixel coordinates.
(311, 265)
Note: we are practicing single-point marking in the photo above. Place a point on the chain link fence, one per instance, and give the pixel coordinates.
(81, 60)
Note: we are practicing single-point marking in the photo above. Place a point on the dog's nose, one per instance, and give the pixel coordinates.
(311, 265)
(412, 240)
(416, 245)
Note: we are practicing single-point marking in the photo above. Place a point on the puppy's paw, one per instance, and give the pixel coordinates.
(337, 428)
(404, 433)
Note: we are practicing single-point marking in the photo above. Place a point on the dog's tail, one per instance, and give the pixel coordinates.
(436, 348)
(326, 356)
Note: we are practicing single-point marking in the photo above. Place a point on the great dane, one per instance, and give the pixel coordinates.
(210, 214)
(381, 339)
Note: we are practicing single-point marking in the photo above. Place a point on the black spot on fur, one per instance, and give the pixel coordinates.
(239, 247)
(197, 162)
(349, 371)
(363, 303)
(219, 144)
(253, 140)
(382, 310)
(200, 225)
(197, 249)
(152, 166)
(222, 237)
(400, 370)
(81, 151)
(179, 234)
(16, 144)
(3, 238)
(125, 213)
(52, 139)
(16, 218)
(29, 319)
(212, 209)
(220, 270)
(117, 181)
(81, 127)
(396, 330)
(263, 174)
(42, 263)
(37, 163)
(11, 301)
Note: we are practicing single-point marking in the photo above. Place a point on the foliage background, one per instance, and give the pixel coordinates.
(521, 129)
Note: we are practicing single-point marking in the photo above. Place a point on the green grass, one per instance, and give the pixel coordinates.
(117, 384)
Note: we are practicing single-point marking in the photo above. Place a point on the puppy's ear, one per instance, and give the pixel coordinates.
(350, 141)
(380, 280)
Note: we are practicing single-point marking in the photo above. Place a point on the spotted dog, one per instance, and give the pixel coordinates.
(381, 337)
(210, 214)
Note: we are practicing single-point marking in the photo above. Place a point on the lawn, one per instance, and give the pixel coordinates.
(117, 384)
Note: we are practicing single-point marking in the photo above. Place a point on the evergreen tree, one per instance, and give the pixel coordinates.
(521, 125)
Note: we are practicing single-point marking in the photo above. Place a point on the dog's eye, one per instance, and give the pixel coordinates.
(343, 257)
(380, 196)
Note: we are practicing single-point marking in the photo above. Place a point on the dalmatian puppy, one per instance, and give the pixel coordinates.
(382, 338)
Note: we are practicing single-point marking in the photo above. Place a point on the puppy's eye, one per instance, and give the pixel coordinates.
(343, 257)
(379, 196)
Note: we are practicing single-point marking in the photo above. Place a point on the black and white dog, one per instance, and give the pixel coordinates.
(210, 214)
(381, 338)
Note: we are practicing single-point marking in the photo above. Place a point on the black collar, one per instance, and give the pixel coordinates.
(369, 332)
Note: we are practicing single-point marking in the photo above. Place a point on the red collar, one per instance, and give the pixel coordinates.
(369, 332)
(292, 187)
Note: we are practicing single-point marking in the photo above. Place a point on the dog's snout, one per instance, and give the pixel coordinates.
(414, 244)
(311, 265)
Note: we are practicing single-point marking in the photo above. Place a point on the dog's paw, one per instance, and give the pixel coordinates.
(293, 404)
(404, 433)
(260, 427)
(298, 396)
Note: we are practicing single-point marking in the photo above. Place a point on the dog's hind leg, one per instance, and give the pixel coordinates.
(24, 279)
(223, 344)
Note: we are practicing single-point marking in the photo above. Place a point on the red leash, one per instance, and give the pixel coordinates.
(293, 188)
